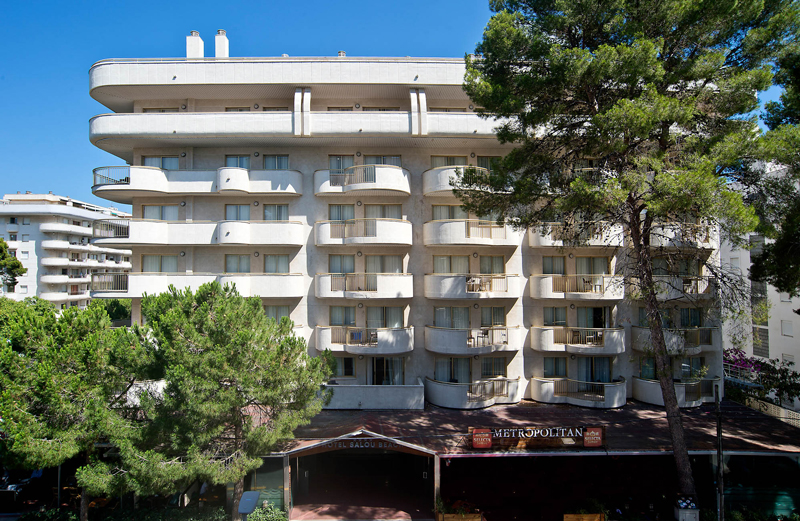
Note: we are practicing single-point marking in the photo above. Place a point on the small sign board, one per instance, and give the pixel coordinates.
(529, 438)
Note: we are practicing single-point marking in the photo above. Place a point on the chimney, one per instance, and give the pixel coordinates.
(342, 54)
(194, 46)
(221, 44)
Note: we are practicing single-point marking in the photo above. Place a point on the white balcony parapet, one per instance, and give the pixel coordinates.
(360, 123)
(365, 341)
(684, 287)
(265, 285)
(65, 279)
(64, 296)
(475, 395)
(461, 123)
(364, 285)
(578, 340)
(363, 180)
(363, 231)
(437, 182)
(597, 395)
(691, 393)
(680, 341)
(471, 286)
(71, 229)
(482, 341)
(468, 232)
(577, 287)
(594, 235)
(684, 235)
(384, 397)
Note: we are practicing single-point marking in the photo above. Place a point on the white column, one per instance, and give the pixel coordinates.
(423, 113)
(414, 112)
(306, 112)
(297, 116)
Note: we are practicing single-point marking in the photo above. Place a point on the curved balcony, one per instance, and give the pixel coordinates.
(264, 285)
(471, 286)
(687, 287)
(555, 235)
(468, 232)
(693, 393)
(680, 341)
(597, 395)
(577, 287)
(468, 342)
(64, 296)
(436, 182)
(373, 180)
(364, 285)
(65, 279)
(50, 244)
(71, 229)
(363, 341)
(379, 232)
(122, 183)
(475, 395)
(684, 235)
(578, 340)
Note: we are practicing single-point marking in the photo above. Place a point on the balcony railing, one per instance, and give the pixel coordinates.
(477, 229)
(355, 228)
(359, 336)
(354, 282)
(112, 175)
(588, 391)
(111, 228)
(579, 284)
(111, 282)
(487, 390)
(697, 337)
(579, 336)
(353, 175)
(484, 283)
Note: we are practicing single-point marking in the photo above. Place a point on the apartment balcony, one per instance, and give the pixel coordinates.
(594, 236)
(85, 231)
(377, 232)
(383, 397)
(461, 124)
(691, 393)
(597, 395)
(472, 286)
(365, 341)
(360, 123)
(469, 342)
(684, 235)
(577, 287)
(681, 341)
(367, 180)
(65, 296)
(128, 232)
(135, 285)
(50, 244)
(475, 395)
(578, 340)
(468, 232)
(364, 285)
(65, 279)
(122, 183)
(685, 287)
(436, 182)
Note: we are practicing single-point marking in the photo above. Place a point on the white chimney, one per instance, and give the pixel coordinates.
(342, 53)
(194, 46)
(221, 44)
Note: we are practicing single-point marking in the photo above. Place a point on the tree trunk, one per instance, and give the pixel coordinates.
(238, 490)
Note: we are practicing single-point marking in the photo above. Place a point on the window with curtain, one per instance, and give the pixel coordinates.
(384, 317)
(387, 370)
(492, 264)
(276, 212)
(666, 318)
(383, 211)
(343, 315)
(553, 266)
(163, 162)
(692, 367)
(591, 265)
(384, 264)
(593, 317)
(594, 368)
(237, 109)
(439, 161)
(493, 367)
(691, 317)
(453, 370)
(237, 161)
(647, 368)
(382, 160)
(341, 264)
(341, 212)
(159, 263)
(451, 264)
(237, 212)
(661, 266)
(345, 366)
(493, 316)
(237, 263)
(160, 213)
(555, 366)
(276, 162)
(555, 316)
(451, 317)
(276, 264)
(488, 161)
(337, 164)
(449, 212)
(276, 312)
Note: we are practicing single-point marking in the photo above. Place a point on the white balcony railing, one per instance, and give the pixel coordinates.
(438, 182)
(265, 285)
(385, 397)
(371, 341)
(601, 234)
(577, 287)
(598, 395)
(473, 395)
(469, 342)
(363, 179)
(589, 341)
(680, 341)
(468, 232)
(364, 285)
(690, 393)
(470, 286)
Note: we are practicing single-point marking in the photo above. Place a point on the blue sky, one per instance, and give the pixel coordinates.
(49, 46)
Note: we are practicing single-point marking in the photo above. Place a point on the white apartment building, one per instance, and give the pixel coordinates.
(322, 185)
(50, 235)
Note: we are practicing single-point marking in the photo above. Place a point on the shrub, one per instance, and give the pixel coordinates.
(268, 513)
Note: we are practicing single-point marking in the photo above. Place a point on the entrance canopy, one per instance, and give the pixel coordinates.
(361, 439)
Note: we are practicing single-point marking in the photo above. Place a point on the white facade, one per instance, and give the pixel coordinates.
(335, 173)
(51, 235)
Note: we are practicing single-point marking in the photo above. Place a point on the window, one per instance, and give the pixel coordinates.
(163, 162)
(26, 237)
(493, 316)
(447, 109)
(440, 161)
(276, 313)
(276, 264)
(493, 366)
(451, 264)
(735, 264)
(276, 162)
(555, 316)
(555, 366)
(26, 220)
(761, 342)
(447, 212)
(666, 318)
(647, 368)
(553, 265)
(384, 317)
(160, 213)
(594, 368)
(382, 160)
(13, 253)
(593, 317)
(10, 289)
(237, 109)
(23, 290)
(345, 366)
(341, 264)
(380, 109)
(692, 367)
(383, 211)
(23, 255)
(384, 264)
(159, 110)
(237, 161)
(276, 109)
(276, 212)
(13, 220)
(451, 317)
(787, 358)
(387, 370)
(237, 212)
(591, 265)
(12, 236)
(787, 328)
(488, 161)
(453, 370)
(159, 263)
(340, 109)
(493, 264)
(343, 316)
(341, 212)
(237, 263)
(337, 164)
(691, 317)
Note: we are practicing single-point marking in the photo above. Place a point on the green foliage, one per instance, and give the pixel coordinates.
(268, 513)
(10, 267)
(116, 308)
(787, 110)
(172, 514)
(53, 514)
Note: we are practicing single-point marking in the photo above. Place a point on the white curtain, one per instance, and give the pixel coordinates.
(374, 264)
(461, 370)
(553, 265)
(459, 264)
(276, 212)
(169, 213)
(340, 162)
(152, 161)
(441, 264)
(392, 264)
(276, 264)
(602, 369)
(555, 316)
(555, 366)
(396, 370)
(170, 163)
(437, 161)
(276, 312)
(151, 212)
(343, 315)
(493, 316)
(394, 317)
(492, 264)
(393, 211)
(440, 212)
(442, 317)
(460, 318)
(341, 263)
(341, 212)
(276, 162)
(585, 369)
(592, 317)
(691, 317)
(373, 211)
(442, 370)
(151, 263)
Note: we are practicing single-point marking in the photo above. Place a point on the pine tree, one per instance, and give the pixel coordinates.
(10, 266)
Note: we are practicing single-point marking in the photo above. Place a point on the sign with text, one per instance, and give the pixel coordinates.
(526, 438)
